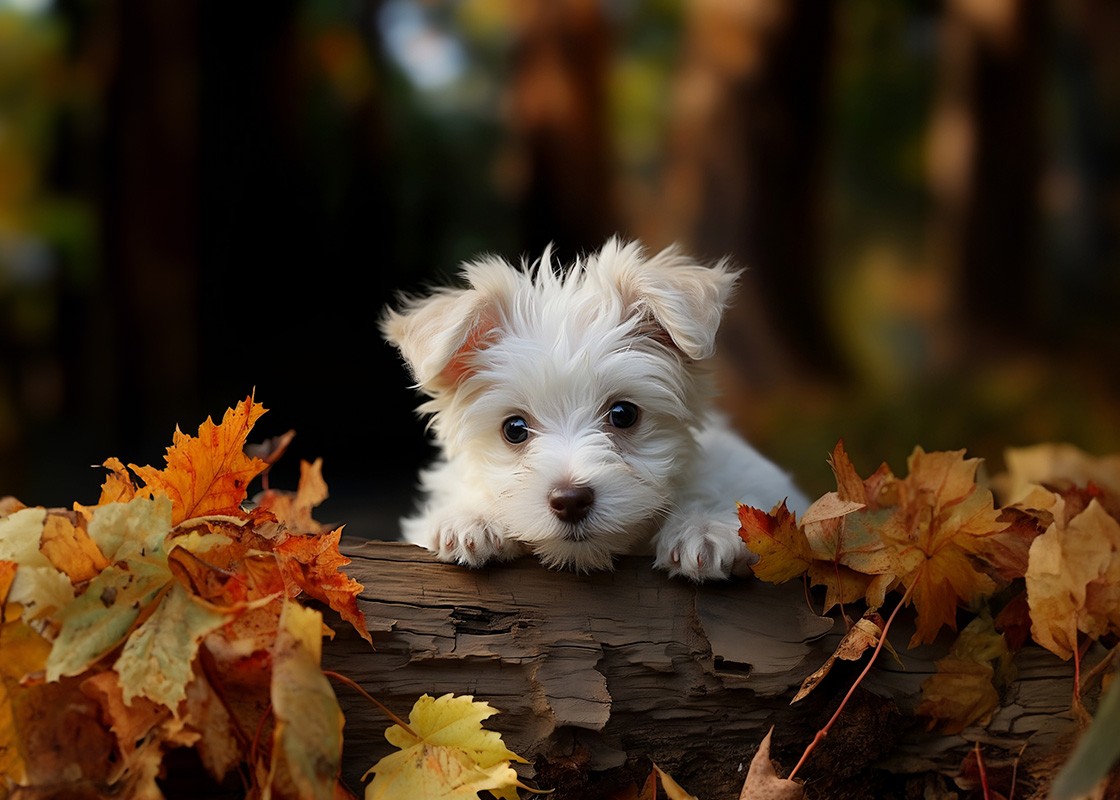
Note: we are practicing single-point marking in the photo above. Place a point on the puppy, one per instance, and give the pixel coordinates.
(572, 411)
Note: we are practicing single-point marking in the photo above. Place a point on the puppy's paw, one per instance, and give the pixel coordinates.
(470, 541)
(701, 549)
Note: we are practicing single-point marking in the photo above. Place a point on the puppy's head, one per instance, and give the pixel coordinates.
(570, 398)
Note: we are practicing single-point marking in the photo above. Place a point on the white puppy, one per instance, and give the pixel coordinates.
(572, 412)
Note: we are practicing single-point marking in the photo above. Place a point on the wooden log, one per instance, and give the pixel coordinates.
(595, 676)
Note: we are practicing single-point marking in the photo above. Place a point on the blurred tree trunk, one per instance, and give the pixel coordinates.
(558, 105)
(744, 170)
(986, 165)
(149, 197)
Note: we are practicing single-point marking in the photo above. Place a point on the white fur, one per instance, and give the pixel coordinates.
(559, 349)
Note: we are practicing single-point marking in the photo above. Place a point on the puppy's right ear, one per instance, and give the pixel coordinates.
(439, 334)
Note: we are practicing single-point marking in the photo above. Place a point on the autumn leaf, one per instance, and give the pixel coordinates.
(965, 689)
(942, 521)
(762, 781)
(781, 547)
(156, 660)
(1050, 463)
(25, 652)
(164, 617)
(1073, 580)
(294, 510)
(673, 790)
(210, 473)
(445, 754)
(307, 738)
(860, 638)
(314, 564)
(70, 549)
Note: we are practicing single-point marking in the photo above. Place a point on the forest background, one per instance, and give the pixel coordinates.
(203, 200)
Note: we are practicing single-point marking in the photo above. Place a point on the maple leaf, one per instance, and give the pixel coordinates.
(307, 738)
(943, 518)
(781, 547)
(446, 753)
(314, 564)
(100, 618)
(1072, 578)
(294, 510)
(208, 474)
(156, 660)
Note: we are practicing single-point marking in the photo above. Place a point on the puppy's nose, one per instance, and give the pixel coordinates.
(571, 503)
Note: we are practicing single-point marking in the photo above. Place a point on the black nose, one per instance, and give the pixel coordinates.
(571, 503)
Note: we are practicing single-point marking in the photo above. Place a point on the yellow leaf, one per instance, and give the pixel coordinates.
(445, 754)
(672, 789)
(25, 651)
(307, 739)
(210, 473)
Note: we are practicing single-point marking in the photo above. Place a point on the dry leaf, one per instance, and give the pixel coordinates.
(1072, 579)
(781, 547)
(763, 783)
(860, 638)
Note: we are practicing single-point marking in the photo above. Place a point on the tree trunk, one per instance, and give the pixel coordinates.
(595, 676)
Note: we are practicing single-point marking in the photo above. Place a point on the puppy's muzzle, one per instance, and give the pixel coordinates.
(571, 503)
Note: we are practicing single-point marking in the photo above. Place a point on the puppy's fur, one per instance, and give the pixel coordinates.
(572, 412)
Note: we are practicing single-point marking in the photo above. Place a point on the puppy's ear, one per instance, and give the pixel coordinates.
(438, 334)
(684, 299)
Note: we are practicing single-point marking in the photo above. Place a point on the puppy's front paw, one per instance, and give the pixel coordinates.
(701, 548)
(470, 541)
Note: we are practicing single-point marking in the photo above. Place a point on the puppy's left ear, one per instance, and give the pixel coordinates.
(684, 299)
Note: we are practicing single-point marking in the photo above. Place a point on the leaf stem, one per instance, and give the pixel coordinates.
(983, 772)
(384, 709)
(823, 732)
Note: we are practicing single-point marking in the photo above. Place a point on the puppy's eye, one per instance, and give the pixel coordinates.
(515, 430)
(622, 414)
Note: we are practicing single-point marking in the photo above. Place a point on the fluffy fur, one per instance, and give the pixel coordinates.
(572, 412)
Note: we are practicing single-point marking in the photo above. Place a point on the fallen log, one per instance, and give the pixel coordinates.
(596, 676)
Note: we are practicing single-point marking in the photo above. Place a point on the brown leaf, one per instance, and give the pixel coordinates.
(763, 783)
(861, 637)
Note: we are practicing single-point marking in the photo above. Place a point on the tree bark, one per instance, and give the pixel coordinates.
(595, 676)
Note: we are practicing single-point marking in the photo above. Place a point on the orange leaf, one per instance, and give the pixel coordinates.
(293, 510)
(209, 474)
(314, 564)
(942, 522)
(781, 547)
(68, 547)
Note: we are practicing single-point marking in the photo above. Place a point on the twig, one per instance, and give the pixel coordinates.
(823, 732)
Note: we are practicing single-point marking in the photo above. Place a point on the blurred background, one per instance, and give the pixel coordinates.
(203, 200)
